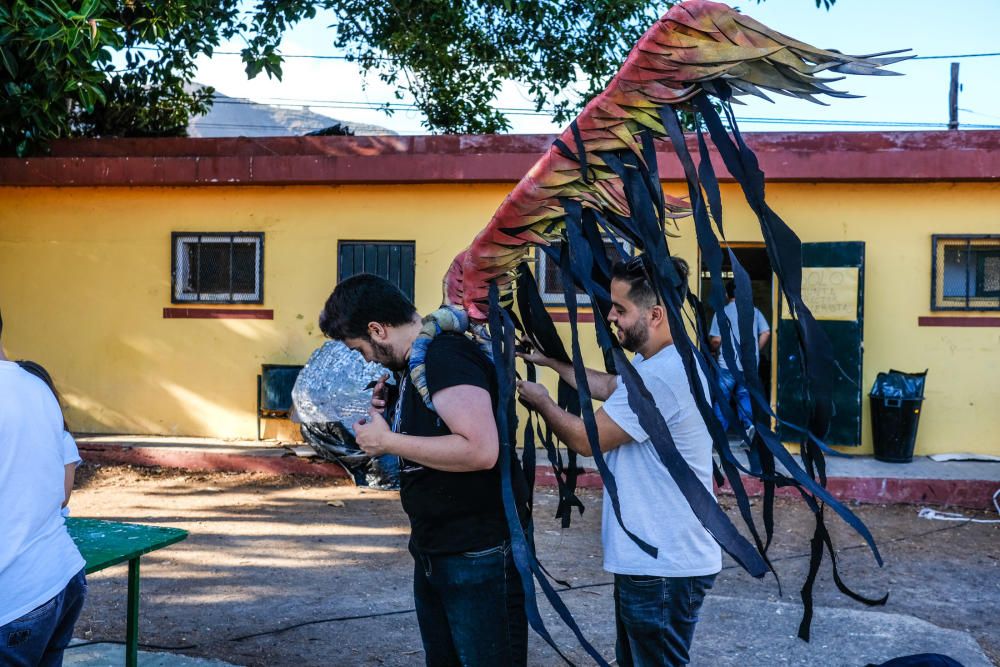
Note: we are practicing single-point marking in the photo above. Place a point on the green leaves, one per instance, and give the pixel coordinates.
(57, 80)
(452, 56)
(48, 51)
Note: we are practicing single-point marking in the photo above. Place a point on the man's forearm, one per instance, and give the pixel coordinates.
(602, 385)
(567, 427)
(450, 453)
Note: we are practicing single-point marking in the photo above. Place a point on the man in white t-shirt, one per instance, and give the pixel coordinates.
(42, 583)
(761, 331)
(656, 599)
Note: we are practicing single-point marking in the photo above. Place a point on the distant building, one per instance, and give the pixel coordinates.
(239, 117)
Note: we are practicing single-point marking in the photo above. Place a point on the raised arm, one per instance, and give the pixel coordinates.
(568, 427)
(602, 385)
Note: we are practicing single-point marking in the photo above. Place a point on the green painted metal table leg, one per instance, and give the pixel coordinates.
(132, 620)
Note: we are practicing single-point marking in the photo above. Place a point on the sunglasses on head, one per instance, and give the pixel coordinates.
(637, 264)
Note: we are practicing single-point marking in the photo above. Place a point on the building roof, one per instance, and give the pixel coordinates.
(792, 157)
(240, 117)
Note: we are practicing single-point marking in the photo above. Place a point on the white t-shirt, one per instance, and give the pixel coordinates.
(37, 555)
(652, 505)
(759, 326)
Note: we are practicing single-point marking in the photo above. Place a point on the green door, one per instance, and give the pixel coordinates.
(833, 286)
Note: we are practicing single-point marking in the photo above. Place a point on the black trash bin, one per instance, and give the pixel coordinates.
(896, 400)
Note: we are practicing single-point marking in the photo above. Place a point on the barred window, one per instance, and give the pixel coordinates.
(966, 272)
(549, 275)
(392, 260)
(218, 267)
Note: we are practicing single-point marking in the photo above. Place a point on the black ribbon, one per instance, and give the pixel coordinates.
(502, 341)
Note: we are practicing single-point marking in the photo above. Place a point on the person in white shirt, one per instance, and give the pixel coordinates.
(656, 599)
(761, 334)
(42, 582)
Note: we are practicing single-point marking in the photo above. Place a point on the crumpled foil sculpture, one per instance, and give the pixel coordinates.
(332, 393)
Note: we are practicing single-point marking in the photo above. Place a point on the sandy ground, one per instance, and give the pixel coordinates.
(296, 571)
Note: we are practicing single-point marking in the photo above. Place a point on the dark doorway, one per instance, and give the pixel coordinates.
(753, 258)
(833, 287)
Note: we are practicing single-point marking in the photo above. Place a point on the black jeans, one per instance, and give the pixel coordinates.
(655, 618)
(470, 608)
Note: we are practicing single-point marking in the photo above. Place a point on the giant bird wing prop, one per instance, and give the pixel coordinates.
(600, 178)
(697, 47)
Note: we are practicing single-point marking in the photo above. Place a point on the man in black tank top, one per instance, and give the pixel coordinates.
(468, 595)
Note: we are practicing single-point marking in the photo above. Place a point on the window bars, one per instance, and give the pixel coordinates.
(392, 260)
(965, 272)
(217, 267)
(550, 278)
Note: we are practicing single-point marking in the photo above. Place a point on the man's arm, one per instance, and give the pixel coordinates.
(467, 410)
(762, 340)
(714, 335)
(69, 477)
(760, 322)
(569, 428)
(715, 342)
(71, 458)
(602, 385)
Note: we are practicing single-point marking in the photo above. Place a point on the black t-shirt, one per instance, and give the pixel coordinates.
(451, 512)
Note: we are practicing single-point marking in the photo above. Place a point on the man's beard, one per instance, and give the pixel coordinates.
(635, 336)
(383, 355)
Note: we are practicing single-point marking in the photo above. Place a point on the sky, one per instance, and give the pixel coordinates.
(928, 27)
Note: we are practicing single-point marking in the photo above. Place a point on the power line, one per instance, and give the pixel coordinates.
(310, 56)
(317, 56)
(959, 55)
(394, 106)
(856, 123)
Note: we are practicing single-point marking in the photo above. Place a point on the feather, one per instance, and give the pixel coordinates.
(694, 47)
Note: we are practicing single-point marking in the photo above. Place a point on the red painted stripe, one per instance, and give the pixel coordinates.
(563, 316)
(971, 493)
(794, 157)
(217, 314)
(976, 494)
(951, 321)
(188, 460)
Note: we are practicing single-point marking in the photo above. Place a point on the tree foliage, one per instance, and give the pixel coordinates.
(58, 76)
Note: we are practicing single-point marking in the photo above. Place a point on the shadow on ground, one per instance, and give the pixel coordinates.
(297, 571)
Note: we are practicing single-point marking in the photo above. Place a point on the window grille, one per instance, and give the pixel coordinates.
(218, 267)
(966, 272)
(549, 275)
(392, 260)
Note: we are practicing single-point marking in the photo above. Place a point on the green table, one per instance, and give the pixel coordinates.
(107, 543)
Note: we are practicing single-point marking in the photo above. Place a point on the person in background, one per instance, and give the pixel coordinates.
(71, 455)
(762, 334)
(42, 581)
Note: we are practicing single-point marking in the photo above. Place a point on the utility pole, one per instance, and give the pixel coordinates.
(953, 99)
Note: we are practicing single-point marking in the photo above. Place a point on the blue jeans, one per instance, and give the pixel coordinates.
(743, 410)
(656, 618)
(470, 608)
(39, 637)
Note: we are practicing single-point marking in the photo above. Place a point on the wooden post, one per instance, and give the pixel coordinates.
(953, 99)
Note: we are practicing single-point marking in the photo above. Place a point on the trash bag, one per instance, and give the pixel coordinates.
(334, 442)
(897, 384)
(332, 392)
(896, 399)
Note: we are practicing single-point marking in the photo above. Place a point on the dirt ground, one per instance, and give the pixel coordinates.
(299, 571)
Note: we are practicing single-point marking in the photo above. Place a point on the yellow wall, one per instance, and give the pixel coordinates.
(85, 275)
